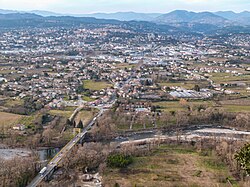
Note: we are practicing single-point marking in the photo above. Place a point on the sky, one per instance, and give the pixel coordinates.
(147, 6)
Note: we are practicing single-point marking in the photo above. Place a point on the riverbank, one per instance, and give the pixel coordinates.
(8, 154)
(193, 132)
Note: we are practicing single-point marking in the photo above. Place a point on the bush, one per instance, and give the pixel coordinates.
(119, 161)
(243, 158)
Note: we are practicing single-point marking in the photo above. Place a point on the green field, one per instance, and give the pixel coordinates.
(236, 105)
(236, 108)
(88, 99)
(60, 113)
(171, 166)
(124, 65)
(95, 86)
(177, 84)
(228, 77)
(168, 106)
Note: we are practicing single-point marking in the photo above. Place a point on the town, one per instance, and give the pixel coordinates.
(111, 85)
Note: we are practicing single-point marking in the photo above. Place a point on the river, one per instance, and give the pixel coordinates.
(207, 131)
(190, 132)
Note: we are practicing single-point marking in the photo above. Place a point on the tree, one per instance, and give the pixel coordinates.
(74, 124)
(119, 160)
(79, 89)
(168, 89)
(48, 134)
(17, 171)
(69, 122)
(197, 88)
(80, 124)
(243, 158)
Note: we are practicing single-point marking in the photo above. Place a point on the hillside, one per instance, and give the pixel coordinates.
(183, 16)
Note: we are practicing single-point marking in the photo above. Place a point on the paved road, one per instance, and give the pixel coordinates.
(63, 152)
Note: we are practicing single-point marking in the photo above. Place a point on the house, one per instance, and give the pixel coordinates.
(19, 127)
(2, 80)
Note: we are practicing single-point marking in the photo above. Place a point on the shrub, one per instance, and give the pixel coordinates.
(243, 158)
(119, 160)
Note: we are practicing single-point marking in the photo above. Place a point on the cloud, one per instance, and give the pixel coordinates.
(87, 6)
(27, 4)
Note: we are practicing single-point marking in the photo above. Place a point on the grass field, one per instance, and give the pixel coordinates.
(95, 86)
(228, 77)
(170, 166)
(124, 65)
(178, 84)
(88, 99)
(7, 119)
(237, 105)
(85, 116)
(13, 102)
(63, 113)
(28, 120)
(168, 106)
(236, 108)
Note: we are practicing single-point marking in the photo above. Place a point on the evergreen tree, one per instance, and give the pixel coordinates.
(80, 124)
(197, 88)
(74, 124)
(69, 122)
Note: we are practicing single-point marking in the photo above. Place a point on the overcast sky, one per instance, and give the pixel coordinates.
(92, 6)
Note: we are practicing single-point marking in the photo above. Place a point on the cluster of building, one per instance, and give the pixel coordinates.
(51, 64)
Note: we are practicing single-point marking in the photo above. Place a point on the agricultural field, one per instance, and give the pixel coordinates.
(172, 166)
(95, 86)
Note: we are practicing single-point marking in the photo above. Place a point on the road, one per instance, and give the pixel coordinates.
(63, 152)
(78, 109)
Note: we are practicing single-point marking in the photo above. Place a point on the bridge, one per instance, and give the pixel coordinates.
(73, 115)
(52, 165)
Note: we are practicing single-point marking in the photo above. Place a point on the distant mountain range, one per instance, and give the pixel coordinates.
(121, 16)
(182, 16)
(177, 16)
(178, 21)
(124, 16)
(242, 17)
